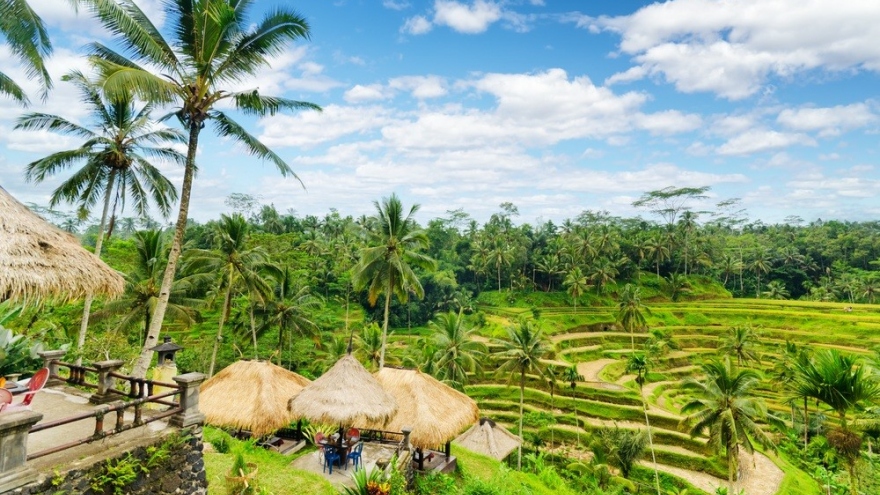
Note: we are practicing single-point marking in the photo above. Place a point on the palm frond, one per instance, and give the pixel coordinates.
(227, 127)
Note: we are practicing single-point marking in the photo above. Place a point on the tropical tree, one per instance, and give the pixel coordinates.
(457, 351)
(843, 384)
(501, 253)
(521, 352)
(27, 39)
(571, 375)
(640, 365)
(142, 289)
(234, 266)
(742, 342)
(723, 403)
(370, 346)
(114, 157)
(386, 267)
(213, 47)
(776, 290)
(659, 251)
(290, 310)
(577, 285)
(630, 312)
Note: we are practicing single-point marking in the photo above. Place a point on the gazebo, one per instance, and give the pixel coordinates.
(489, 439)
(250, 395)
(347, 394)
(38, 260)
(435, 412)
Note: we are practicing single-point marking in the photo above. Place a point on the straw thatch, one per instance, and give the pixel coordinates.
(435, 412)
(347, 394)
(250, 395)
(489, 439)
(38, 260)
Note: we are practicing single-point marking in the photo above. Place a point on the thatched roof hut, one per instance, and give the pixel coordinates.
(489, 439)
(347, 394)
(435, 412)
(38, 260)
(250, 395)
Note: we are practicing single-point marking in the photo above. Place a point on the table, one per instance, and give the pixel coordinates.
(334, 446)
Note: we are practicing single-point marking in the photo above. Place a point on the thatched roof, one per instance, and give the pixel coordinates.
(435, 412)
(347, 394)
(489, 439)
(38, 260)
(250, 395)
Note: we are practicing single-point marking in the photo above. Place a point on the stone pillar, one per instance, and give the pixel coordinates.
(105, 381)
(14, 427)
(407, 431)
(51, 360)
(189, 400)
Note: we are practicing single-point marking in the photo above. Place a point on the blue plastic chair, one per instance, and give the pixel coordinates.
(330, 457)
(355, 455)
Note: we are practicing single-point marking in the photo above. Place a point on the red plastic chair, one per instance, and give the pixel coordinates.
(36, 383)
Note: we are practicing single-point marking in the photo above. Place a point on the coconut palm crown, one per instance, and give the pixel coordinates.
(212, 46)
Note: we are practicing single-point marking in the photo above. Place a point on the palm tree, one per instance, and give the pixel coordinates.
(741, 342)
(500, 254)
(659, 251)
(843, 384)
(142, 288)
(776, 290)
(640, 365)
(603, 273)
(457, 352)
(114, 160)
(370, 346)
(761, 264)
(290, 309)
(723, 403)
(27, 39)
(572, 376)
(630, 312)
(233, 264)
(387, 266)
(577, 284)
(521, 353)
(213, 45)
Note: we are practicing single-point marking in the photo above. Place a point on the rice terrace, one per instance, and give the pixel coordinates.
(458, 247)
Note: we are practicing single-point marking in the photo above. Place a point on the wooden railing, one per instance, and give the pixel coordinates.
(102, 377)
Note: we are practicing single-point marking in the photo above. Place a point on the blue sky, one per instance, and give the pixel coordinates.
(554, 106)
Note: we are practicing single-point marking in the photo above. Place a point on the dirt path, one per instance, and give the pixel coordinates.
(588, 335)
(760, 476)
(590, 371)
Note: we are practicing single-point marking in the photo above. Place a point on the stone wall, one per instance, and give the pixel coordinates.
(173, 464)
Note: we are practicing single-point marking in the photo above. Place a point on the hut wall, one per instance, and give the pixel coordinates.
(180, 470)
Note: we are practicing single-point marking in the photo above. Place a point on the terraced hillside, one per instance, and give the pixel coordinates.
(608, 396)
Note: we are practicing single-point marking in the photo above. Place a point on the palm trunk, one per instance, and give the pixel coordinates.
(732, 463)
(806, 426)
(577, 423)
(385, 327)
(253, 330)
(99, 243)
(650, 439)
(224, 313)
(143, 362)
(498, 266)
(522, 387)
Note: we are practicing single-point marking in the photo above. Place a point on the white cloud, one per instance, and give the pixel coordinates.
(732, 48)
(395, 5)
(828, 121)
(359, 93)
(416, 25)
(668, 122)
(312, 128)
(421, 87)
(468, 19)
(755, 141)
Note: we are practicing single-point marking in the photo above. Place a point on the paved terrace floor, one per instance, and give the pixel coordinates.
(62, 402)
(341, 476)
